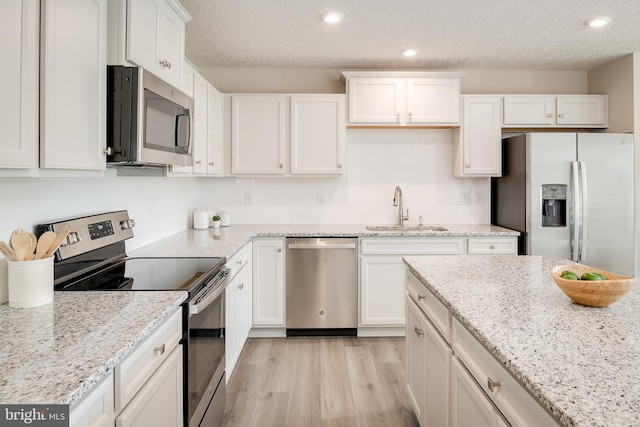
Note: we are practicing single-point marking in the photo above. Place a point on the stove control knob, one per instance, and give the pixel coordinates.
(73, 237)
(127, 224)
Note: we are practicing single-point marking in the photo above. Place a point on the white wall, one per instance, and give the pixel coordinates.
(378, 160)
(615, 79)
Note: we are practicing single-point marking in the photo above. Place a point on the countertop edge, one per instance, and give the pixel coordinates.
(97, 377)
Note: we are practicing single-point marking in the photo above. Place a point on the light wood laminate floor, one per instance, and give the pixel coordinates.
(319, 382)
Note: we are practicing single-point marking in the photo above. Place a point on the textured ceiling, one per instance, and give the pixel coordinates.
(448, 34)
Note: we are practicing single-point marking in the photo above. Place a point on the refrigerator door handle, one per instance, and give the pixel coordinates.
(574, 224)
(582, 166)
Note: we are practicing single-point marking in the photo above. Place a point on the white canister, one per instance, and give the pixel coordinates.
(225, 219)
(30, 282)
(201, 219)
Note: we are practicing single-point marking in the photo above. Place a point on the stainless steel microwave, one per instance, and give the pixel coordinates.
(148, 120)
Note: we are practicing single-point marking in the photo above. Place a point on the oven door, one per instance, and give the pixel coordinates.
(205, 361)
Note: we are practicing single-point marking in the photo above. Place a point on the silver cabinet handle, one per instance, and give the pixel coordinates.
(108, 151)
(241, 286)
(493, 385)
(410, 116)
(198, 162)
(549, 115)
(421, 297)
(492, 246)
(339, 166)
(159, 350)
(211, 164)
(164, 63)
(280, 166)
(468, 165)
(398, 117)
(561, 115)
(239, 262)
(419, 332)
(279, 250)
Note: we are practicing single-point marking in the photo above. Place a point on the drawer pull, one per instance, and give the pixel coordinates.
(241, 286)
(159, 350)
(421, 297)
(419, 332)
(493, 385)
(239, 262)
(492, 246)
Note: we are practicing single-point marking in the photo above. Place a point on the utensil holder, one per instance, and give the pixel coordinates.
(30, 283)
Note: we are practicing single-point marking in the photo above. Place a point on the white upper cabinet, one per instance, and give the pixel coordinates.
(155, 37)
(477, 143)
(19, 23)
(285, 135)
(589, 111)
(258, 134)
(382, 98)
(317, 134)
(73, 84)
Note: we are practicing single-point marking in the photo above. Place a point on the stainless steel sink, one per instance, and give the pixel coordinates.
(405, 228)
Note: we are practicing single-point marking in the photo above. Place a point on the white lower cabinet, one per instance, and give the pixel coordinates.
(268, 284)
(159, 402)
(96, 410)
(382, 278)
(146, 388)
(452, 379)
(237, 307)
(469, 405)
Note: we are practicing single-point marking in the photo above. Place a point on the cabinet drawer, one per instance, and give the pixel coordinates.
(138, 367)
(237, 261)
(434, 309)
(506, 246)
(412, 246)
(511, 398)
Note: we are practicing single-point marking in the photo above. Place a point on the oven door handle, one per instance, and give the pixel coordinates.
(208, 296)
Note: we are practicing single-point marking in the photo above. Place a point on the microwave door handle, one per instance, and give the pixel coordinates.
(183, 115)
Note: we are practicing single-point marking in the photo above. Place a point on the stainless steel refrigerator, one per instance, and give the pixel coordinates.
(570, 195)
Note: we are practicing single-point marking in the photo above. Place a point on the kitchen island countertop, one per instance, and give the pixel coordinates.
(57, 353)
(581, 363)
(225, 241)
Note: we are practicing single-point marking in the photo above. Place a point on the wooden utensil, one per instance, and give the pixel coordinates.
(56, 243)
(33, 242)
(9, 253)
(21, 242)
(44, 243)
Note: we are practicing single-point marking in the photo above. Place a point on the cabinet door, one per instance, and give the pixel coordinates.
(19, 30)
(382, 280)
(376, 100)
(159, 402)
(317, 134)
(438, 377)
(231, 327)
(268, 282)
(478, 148)
(530, 110)
(214, 131)
(469, 405)
(171, 46)
(433, 101)
(95, 410)
(416, 364)
(258, 135)
(582, 110)
(200, 117)
(143, 32)
(74, 84)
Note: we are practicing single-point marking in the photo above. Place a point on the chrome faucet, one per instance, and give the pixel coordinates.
(397, 201)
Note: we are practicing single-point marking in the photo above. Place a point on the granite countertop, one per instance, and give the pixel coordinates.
(225, 241)
(56, 353)
(581, 363)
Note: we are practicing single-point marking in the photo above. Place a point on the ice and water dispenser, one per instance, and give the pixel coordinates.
(554, 205)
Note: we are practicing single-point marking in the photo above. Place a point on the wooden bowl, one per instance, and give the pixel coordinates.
(592, 293)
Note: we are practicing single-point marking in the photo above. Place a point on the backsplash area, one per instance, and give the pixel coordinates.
(377, 161)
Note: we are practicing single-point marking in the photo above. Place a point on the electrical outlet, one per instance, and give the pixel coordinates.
(321, 198)
(477, 198)
(464, 197)
(248, 198)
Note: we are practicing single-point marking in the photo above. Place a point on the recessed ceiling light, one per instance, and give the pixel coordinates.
(598, 22)
(410, 52)
(332, 18)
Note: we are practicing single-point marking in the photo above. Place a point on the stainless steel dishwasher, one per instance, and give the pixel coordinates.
(322, 286)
